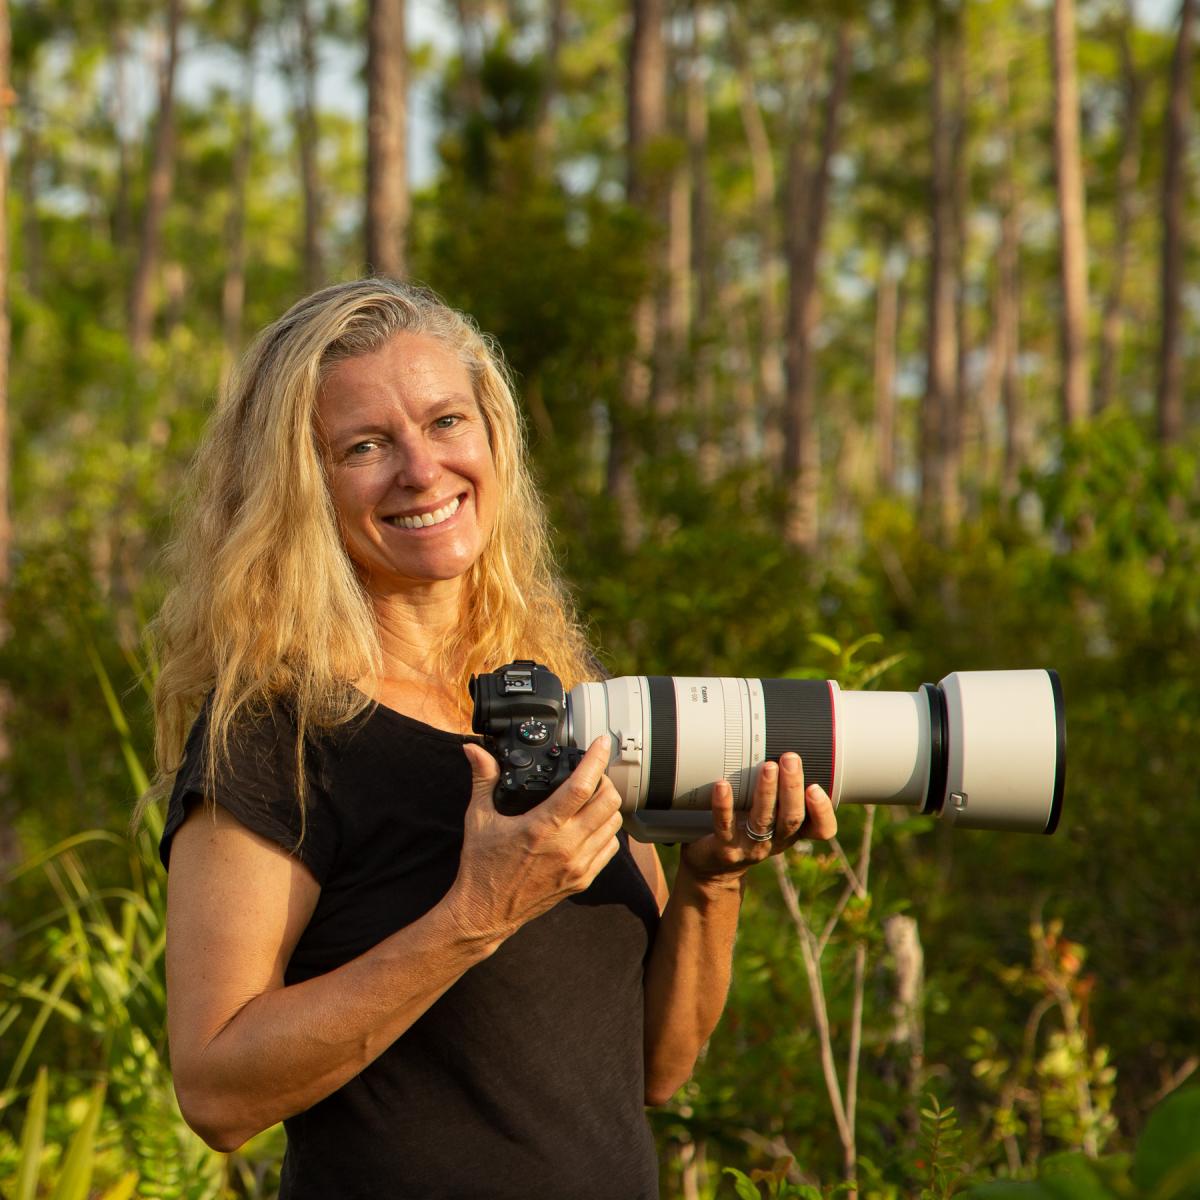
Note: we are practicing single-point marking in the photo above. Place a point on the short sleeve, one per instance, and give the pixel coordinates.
(257, 786)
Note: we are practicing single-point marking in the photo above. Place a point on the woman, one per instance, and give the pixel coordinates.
(436, 999)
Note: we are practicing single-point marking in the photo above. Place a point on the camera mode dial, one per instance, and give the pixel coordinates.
(533, 732)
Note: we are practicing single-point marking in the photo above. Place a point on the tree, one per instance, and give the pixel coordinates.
(6, 98)
(939, 408)
(646, 124)
(387, 114)
(233, 289)
(1174, 201)
(158, 192)
(304, 76)
(1068, 171)
(1128, 168)
(808, 192)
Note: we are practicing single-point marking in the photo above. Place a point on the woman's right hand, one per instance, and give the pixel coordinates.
(514, 868)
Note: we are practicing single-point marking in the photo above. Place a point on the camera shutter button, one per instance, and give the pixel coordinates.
(518, 757)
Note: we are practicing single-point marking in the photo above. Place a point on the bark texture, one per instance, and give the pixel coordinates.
(808, 191)
(387, 117)
(646, 123)
(233, 290)
(306, 137)
(1174, 198)
(158, 191)
(1112, 327)
(1068, 170)
(939, 409)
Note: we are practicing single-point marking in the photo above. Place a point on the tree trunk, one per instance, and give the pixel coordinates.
(1003, 437)
(31, 226)
(646, 123)
(6, 99)
(158, 192)
(1017, 437)
(939, 416)
(122, 227)
(768, 363)
(674, 315)
(233, 291)
(1076, 385)
(1128, 169)
(808, 204)
(471, 41)
(903, 941)
(387, 114)
(887, 321)
(1174, 199)
(306, 136)
(964, 404)
(556, 28)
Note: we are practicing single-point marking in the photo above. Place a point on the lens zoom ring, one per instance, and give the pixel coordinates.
(799, 717)
(664, 741)
(733, 745)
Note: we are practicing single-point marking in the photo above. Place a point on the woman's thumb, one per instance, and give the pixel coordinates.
(485, 770)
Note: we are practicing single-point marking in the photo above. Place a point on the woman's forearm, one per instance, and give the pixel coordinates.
(288, 1048)
(687, 978)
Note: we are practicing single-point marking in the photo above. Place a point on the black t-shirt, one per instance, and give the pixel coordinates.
(525, 1079)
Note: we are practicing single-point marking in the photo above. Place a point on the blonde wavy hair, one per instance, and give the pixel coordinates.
(265, 604)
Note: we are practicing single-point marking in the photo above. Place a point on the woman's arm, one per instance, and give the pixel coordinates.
(687, 978)
(246, 1051)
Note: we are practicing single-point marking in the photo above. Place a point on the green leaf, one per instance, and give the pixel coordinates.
(1166, 1163)
(826, 643)
(123, 1188)
(75, 1179)
(33, 1133)
(742, 1185)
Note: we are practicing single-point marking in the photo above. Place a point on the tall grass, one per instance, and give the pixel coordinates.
(83, 1023)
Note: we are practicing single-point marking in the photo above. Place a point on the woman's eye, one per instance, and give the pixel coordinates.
(361, 448)
(446, 422)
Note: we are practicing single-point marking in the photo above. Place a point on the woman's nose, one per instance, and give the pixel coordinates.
(416, 464)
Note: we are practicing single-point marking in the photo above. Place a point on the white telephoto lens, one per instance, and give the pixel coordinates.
(985, 749)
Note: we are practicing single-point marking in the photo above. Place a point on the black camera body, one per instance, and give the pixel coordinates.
(519, 712)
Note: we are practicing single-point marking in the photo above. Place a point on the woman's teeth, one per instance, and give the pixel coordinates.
(430, 518)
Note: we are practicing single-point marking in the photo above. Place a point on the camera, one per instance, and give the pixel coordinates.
(980, 749)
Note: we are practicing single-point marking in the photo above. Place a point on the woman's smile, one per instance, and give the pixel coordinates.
(410, 463)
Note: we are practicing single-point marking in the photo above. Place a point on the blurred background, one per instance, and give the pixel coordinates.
(855, 339)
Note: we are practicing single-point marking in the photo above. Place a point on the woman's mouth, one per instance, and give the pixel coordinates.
(426, 520)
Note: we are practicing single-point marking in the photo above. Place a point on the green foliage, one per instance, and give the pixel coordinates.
(1165, 1166)
(940, 1162)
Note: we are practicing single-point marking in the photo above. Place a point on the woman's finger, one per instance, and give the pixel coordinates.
(722, 812)
(584, 780)
(761, 817)
(790, 809)
(821, 821)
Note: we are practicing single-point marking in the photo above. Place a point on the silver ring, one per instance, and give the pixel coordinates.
(755, 836)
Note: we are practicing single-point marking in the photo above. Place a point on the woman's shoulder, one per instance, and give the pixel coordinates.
(259, 767)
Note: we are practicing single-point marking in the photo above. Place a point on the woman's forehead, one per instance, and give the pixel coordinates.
(412, 370)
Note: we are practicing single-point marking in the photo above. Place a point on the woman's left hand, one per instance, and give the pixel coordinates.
(781, 807)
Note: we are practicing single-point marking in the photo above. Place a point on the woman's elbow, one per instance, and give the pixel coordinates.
(661, 1087)
(209, 1116)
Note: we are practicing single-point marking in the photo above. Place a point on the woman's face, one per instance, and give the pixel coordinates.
(410, 465)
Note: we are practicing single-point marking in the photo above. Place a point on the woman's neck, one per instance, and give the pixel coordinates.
(413, 627)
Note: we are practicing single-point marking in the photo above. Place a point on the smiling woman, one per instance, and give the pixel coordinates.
(359, 944)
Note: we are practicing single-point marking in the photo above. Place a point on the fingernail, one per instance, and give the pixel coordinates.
(770, 768)
(789, 762)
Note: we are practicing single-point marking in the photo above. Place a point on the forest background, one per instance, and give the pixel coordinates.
(855, 339)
